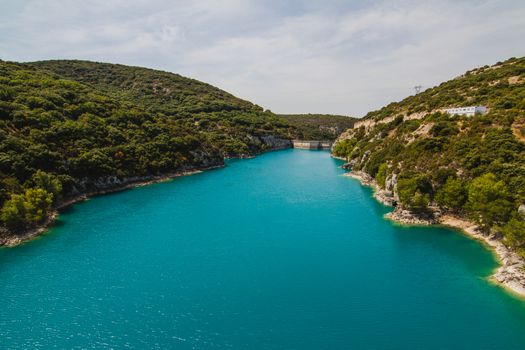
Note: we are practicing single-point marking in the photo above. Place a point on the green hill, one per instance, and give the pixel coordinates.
(227, 121)
(430, 162)
(74, 127)
(319, 126)
(155, 90)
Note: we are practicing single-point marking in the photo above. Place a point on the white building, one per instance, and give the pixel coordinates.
(468, 111)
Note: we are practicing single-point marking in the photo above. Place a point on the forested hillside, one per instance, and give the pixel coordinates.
(432, 163)
(227, 121)
(71, 127)
(319, 126)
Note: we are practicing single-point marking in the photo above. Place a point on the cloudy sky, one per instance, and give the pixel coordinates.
(345, 57)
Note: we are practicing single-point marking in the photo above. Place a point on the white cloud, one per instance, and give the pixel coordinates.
(332, 57)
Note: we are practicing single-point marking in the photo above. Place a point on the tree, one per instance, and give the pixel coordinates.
(443, 128)
(514, 233)
(414, 192)
(13, 212)
(452, 195)
(344, 148)
(8, 186)
(47, 182)
(381, 174)
(419, 202)
(29, 208)
(488, 200)
(37, 203)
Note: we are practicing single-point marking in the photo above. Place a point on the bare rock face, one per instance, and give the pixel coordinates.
(347, 134)
(201, 160)
(350, 164)
(207, 159)
(273, 142)
(391, 187)
(511, 273)
(407, 217)
(107, 182)
(365, 158)
(521, 210)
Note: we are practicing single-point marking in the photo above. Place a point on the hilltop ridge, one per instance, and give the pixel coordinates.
(319, 126)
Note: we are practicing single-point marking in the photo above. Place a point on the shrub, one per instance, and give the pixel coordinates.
(381, 175)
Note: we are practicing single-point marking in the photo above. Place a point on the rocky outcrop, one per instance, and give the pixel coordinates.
(273, 142)
(261, 143)
(511, 273)
(201, 160)
(388, 195)
(391, 187)
(349, 165)
(367, 180)
(347, 134)
(408, 217)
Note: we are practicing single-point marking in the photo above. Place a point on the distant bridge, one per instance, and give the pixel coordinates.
(312, 144)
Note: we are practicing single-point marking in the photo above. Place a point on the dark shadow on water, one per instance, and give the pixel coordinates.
(70, 209)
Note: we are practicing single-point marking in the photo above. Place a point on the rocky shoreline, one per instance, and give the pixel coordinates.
(113, 184)
(511, 272)
(10, 240)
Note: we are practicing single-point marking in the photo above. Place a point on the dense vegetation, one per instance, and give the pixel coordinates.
(469, 166)
(319, 126)
(226, 121)
(70, 127)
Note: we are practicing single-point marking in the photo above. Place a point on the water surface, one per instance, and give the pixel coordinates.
(276, 252)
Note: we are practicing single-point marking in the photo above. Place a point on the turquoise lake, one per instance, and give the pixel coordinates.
(276, 252)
